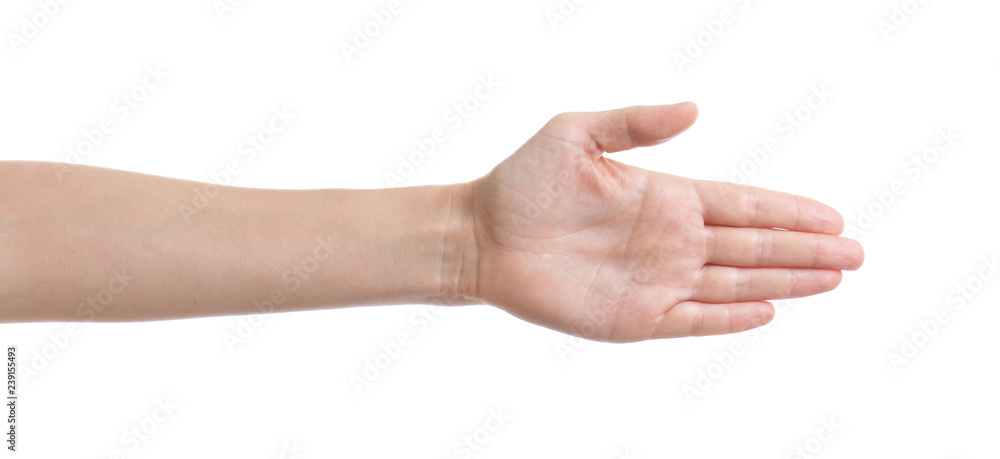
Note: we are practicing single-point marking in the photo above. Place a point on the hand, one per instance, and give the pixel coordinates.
(574, 241)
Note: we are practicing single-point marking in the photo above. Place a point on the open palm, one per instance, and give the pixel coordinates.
(580, 243)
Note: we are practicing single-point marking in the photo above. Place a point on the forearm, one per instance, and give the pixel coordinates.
(109, 245)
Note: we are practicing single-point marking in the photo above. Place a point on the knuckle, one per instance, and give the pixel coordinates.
(763, 247)
(789, 285)
(697, 321)
(752, 206)
(743, 284)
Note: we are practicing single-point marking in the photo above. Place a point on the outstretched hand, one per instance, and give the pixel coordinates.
(572, 240)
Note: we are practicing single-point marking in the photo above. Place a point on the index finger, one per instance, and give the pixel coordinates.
(729, 204)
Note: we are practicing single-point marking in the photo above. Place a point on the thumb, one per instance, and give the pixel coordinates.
(637, 126)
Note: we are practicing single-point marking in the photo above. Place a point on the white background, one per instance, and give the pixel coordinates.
(824, 358)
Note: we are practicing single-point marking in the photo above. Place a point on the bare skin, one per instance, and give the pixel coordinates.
(557, 234)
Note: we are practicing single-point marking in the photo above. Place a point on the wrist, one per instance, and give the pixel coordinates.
(460, 254)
